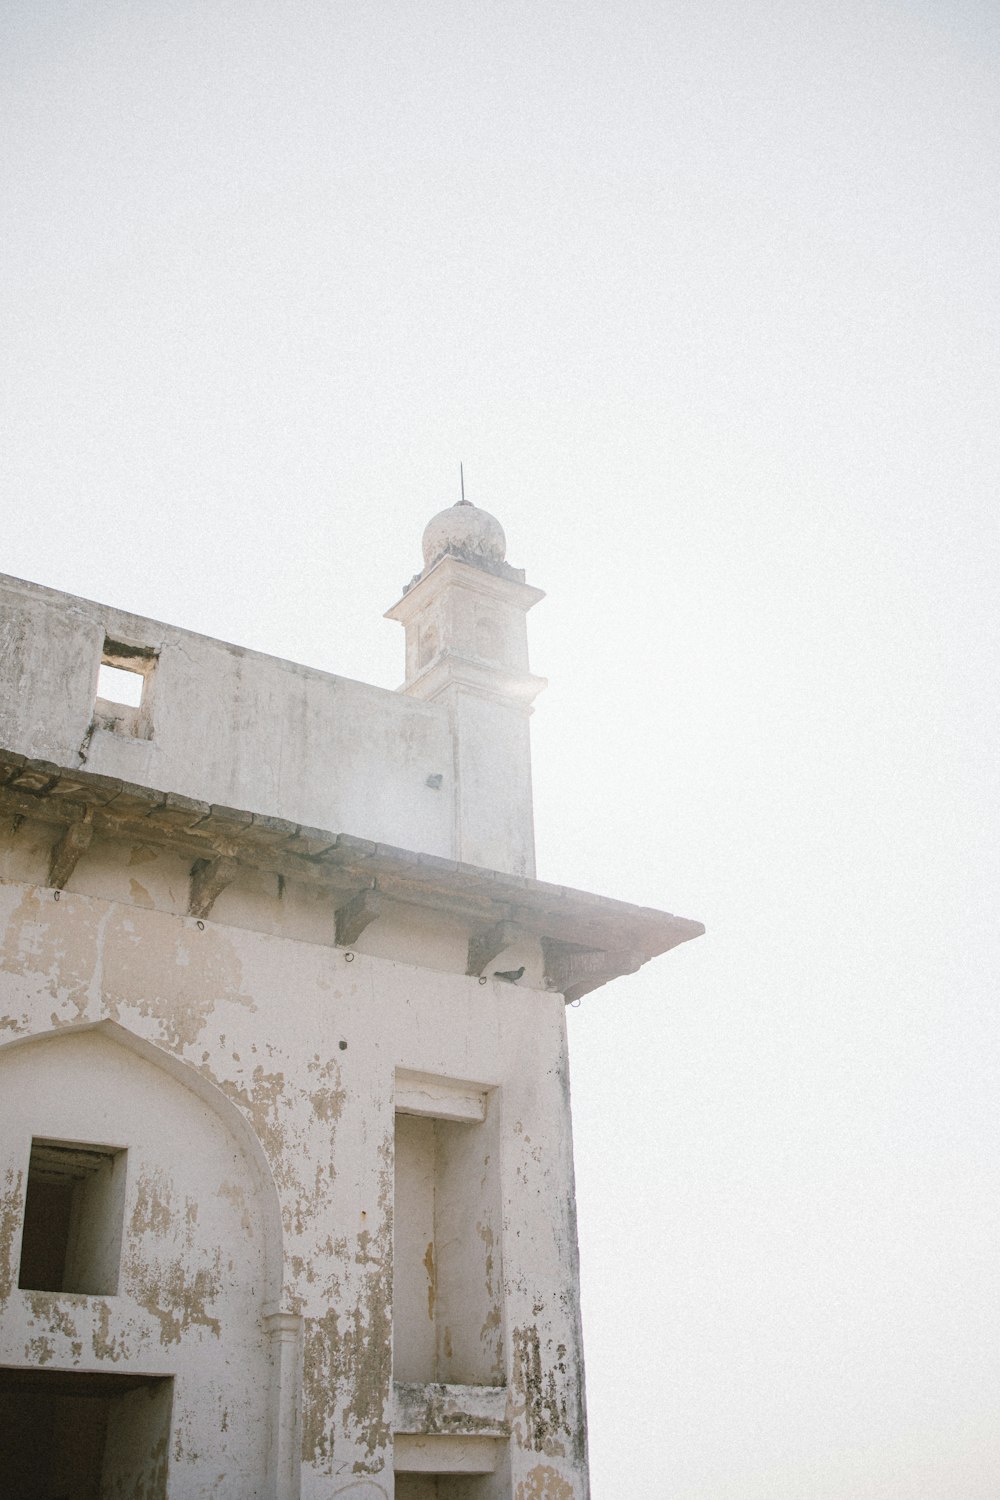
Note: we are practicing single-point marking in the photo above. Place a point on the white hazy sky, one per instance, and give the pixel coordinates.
(705, 296)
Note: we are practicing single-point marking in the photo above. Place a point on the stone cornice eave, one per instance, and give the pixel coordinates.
(586, 940)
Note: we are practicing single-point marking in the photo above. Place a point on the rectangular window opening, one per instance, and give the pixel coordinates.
(74, 1211)
(124, 689)
(120, 685)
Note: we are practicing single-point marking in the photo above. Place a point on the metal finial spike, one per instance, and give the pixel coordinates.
(461, 476)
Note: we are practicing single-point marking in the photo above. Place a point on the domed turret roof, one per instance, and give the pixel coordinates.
(464, 531)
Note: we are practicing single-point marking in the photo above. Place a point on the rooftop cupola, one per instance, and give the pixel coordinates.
(473, 535)
(467, 646)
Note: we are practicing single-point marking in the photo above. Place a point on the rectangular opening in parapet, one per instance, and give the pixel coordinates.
(73, 1214)
(120, 685)
(124, 679)
(71, 1435)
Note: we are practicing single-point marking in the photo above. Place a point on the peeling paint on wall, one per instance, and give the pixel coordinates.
(348, 1353)
(544, 1483)
(151, 1213)
(172, 1288)
(11, 1211)
(177, 1299)
(105, 1344)
(39, 1350)
(34, 944)
(55, 1310)
(187, 972)
(263, 1102)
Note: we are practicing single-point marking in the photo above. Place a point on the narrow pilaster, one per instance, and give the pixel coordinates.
(284, 1330)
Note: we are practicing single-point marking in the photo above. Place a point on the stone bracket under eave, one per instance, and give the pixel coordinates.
(209, 878)
(484, 946)
(574, 972)
(67, 851)
(355, 915)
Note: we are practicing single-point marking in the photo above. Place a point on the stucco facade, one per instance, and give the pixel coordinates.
(286, 1178)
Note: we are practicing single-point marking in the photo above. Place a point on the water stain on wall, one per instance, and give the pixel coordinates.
(540, 1413)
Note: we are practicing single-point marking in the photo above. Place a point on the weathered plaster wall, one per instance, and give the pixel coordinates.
(230, 726)
(331, 1150)
(342, 1147)
(301, 1041)
(494, 782)
(194, 1266)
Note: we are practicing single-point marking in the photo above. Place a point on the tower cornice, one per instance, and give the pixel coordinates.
(452, 572)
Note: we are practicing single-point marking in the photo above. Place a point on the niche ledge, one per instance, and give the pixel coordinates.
(445, 1455)
(431, 1409)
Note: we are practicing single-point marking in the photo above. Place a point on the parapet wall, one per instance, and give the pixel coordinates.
(223, 724)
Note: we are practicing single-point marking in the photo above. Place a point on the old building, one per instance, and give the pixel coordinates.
(286, 1177)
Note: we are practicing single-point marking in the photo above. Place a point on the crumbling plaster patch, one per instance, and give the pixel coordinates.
(544, 1483)
(348, 1354)
(178, 1287)
(106, 1345)
(51, 957)
(11, 1213)
(187, 973)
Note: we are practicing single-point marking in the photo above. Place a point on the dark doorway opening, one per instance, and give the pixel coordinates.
(440, 1486)
(74, 1435)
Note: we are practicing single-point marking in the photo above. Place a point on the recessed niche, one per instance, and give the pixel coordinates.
(446, 1253)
